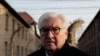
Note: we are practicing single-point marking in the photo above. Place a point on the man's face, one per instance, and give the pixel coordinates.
(52, 34)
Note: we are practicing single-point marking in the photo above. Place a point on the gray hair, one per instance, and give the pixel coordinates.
(52, 14)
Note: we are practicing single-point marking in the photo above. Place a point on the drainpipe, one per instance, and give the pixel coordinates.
(12, 40)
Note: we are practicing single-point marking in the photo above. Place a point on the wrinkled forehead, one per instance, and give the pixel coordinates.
(51, 22)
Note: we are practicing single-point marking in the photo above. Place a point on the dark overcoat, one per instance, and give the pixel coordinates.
(65, 51)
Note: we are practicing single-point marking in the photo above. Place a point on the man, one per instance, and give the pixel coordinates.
(53, 36)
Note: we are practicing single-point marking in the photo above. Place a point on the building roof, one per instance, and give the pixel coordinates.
(97, 15)
(27, 17)
(14, 13)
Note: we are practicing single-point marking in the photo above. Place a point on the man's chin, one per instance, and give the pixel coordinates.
(50, 47)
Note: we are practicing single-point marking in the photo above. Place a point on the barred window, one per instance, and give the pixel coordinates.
(6, 22)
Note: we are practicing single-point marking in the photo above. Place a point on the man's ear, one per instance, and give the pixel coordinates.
(66, 33)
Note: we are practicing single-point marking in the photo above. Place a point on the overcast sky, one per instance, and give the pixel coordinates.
(72, 9)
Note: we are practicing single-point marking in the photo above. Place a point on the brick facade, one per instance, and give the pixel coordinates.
(16, 32)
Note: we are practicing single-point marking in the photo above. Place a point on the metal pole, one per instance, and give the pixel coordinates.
(12, 40)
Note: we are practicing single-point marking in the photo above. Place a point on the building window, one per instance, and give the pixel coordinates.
(6, 49)
(25, 51)
(13, 25)
(23, 33)
(6, 22)
(99, 24)
(18, 51)
(94, 29)
(22, 51)
(18, 31)
(29, 35)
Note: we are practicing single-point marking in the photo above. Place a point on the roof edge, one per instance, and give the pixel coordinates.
(14, 13)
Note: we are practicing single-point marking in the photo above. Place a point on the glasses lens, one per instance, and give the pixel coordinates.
(56, 30)
(53, 30)
(43, 31)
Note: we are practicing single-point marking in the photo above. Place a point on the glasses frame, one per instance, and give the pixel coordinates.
(54, 30)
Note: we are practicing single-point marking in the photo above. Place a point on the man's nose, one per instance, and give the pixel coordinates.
(50, 34)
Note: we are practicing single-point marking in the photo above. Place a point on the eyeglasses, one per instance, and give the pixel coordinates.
(54, 30)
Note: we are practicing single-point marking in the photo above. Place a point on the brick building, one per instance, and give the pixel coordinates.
(17, 37)
(90, 40)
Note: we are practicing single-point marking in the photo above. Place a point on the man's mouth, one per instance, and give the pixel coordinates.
(50, 42)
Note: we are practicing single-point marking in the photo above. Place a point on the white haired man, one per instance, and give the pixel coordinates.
(53, 35)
